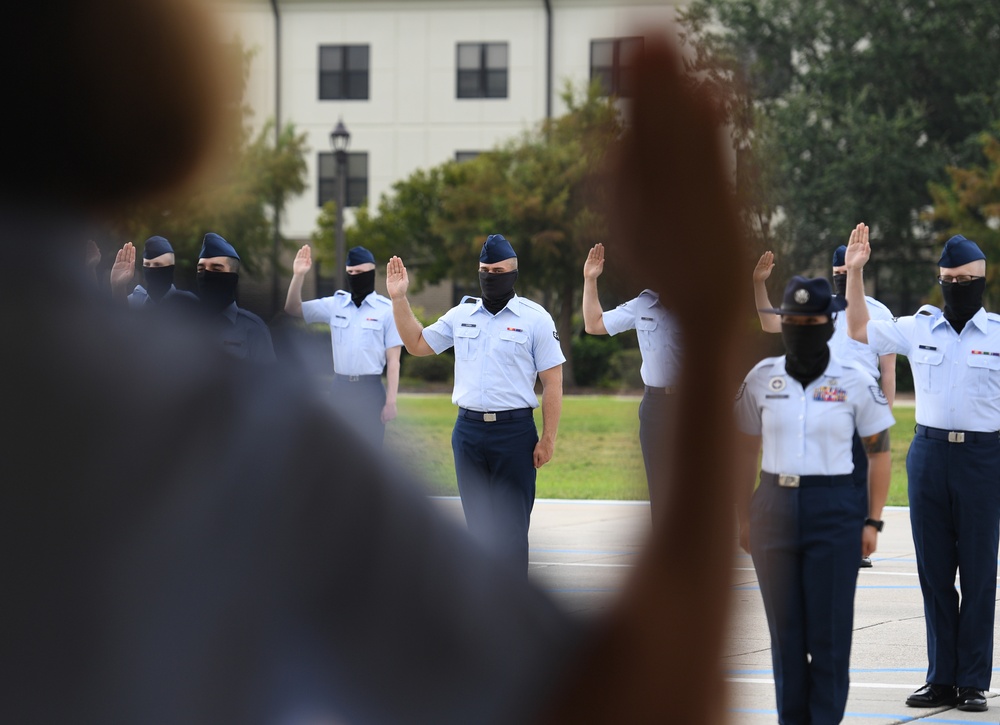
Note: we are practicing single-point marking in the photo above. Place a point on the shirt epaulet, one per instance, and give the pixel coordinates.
(766, 362)
(532, 305)
(469, 298)
(929, 311)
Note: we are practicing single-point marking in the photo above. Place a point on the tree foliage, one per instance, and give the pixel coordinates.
(259, 174)
(844, 111)
(542, 190)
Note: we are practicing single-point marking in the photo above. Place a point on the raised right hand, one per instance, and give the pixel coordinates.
(858, 248)
(123, 270)
(594, 265)
(396, 279)
(303, 261)
(764, 266)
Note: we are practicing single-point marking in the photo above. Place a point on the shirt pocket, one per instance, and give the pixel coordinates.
(371, 331)
(984, 371)
(646, 329)
(512, 347)
(338, 329)
(466, 343)
(928, 373)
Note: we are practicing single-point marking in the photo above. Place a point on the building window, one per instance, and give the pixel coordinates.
(461, 156)
(357, 178)
(482, 70)
(612, 63)
(343, 72)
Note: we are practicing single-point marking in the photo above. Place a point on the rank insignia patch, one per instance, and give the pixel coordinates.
(777, 384)
(879, 396)
(739, 393)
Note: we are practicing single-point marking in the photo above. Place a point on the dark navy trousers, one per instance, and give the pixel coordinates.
(806, 544)
(359, 404)
(655, 422)
(955, 516)
(494, 463)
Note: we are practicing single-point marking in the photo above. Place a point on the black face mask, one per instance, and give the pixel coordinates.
(361, 285)
(962, 302)
(840, 284)
(498, 289)
(158, 280)
(217, 290)
(806, 351)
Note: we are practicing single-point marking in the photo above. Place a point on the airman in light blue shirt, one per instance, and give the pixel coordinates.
(503, 343)
(660, 347)
(364, 338)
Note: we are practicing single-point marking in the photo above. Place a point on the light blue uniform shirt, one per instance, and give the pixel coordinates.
(957, 377)
(497, 357)
(847, 349)
(810, 432)
(659, 336)
(360, 335)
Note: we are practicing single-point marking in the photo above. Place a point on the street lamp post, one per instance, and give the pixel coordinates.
(340, 139)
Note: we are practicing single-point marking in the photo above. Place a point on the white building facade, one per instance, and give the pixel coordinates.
(421, 82)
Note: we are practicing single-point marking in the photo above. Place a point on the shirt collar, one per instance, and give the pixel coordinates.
(231, 313)
(513, 304)
(980, 320)
(348, 300)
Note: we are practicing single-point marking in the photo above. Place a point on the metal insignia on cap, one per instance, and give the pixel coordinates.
(801, 296)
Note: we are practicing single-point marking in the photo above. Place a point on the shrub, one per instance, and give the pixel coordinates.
(592, 358)
(625, 366)
(431, 369)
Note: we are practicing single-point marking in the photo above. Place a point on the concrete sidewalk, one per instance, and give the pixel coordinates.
(581, 551)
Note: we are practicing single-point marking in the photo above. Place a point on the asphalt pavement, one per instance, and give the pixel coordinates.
(582, 551)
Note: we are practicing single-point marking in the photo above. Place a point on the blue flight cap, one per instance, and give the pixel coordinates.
(496, 249)
(215, 246)
(958, 251)
(359, 255)
(804, 296)
(156, 246)
(840, 256)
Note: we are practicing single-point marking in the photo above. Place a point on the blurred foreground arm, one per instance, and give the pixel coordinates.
(656, 657)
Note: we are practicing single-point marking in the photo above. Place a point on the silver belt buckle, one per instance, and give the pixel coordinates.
(489, 417)
(352, 378)
(788, 481)
(669, 390)
(956, 436)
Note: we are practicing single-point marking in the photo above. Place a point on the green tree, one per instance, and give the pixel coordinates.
(543, 190)
(261, 172)
(970, 205)
(843, 112)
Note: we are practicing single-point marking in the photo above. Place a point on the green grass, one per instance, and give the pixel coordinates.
(597, 453)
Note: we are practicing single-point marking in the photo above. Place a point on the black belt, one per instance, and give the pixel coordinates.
(669, 390)
(499, 415)
(786, 480)
(357, 378)
(957, 436)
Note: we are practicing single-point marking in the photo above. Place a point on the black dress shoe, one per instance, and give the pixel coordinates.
(931, 695)
(971, 700)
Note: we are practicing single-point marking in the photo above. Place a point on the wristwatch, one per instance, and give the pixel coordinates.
(877, 524)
